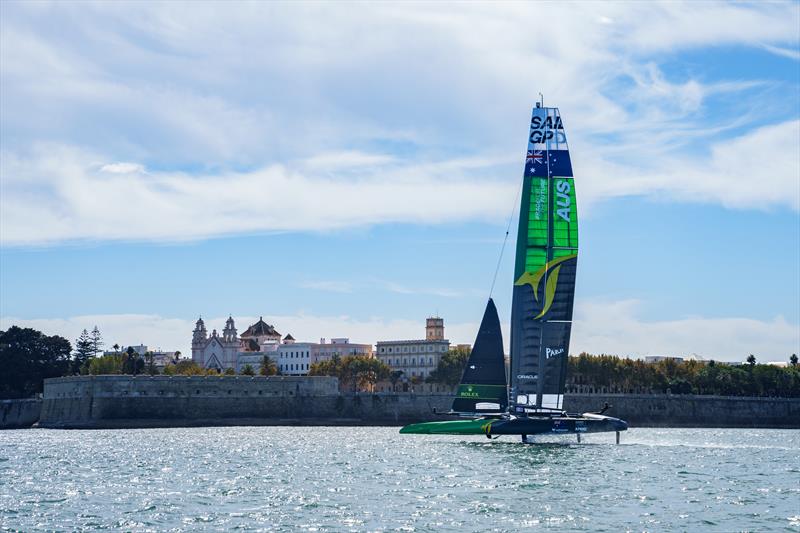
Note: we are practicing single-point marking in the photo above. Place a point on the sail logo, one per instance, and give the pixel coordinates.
(469, 393)
(526, 376)
(545, 129)
(549, 272)
(563, 202)
(550, 352)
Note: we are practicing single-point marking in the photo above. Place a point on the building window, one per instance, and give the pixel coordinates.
(430, 361)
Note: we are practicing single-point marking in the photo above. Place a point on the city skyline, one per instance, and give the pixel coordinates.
(345, 179)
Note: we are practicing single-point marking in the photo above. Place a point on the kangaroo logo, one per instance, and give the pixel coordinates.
(550, 272)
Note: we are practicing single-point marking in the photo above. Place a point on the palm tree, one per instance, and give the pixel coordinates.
(268, 367)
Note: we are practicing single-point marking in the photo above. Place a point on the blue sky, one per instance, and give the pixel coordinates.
(348, 172)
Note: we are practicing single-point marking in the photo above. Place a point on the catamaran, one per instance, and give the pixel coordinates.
(531, 401)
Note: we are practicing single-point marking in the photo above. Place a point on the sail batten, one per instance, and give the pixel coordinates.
(544, 274)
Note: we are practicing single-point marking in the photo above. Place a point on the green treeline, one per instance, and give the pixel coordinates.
(617, 374)
(27, 357)
(354, 372)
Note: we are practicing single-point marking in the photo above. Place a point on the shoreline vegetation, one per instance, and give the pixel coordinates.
(27, 357)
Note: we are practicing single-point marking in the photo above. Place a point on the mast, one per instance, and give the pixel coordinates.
(544, 273)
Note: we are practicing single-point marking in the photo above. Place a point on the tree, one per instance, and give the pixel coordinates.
(187, 368)
(793, 359)
(27, 358)
(229, 372)
(352, 371)
(116, 347)
(106, 364)
(248, 371)
(394, 377)
(131, 362)
(268, 367)
(97, 341)
(150, 361)
(83, 351)
(450, 367)
(751, 360)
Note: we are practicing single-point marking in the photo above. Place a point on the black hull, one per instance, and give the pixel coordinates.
(556, 425)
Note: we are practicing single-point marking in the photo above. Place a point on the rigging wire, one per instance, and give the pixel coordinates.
(505, 239)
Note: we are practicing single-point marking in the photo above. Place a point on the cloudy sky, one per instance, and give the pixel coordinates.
(349, 169)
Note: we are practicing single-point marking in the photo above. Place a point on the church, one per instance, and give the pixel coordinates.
(230, 350)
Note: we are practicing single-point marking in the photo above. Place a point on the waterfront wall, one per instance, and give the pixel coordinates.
(19, 413)
(167, 401)
(689, 410)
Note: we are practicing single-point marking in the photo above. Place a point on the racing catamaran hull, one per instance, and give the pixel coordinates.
(528, 425)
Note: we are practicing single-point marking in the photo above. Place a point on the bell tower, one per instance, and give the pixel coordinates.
(199, 337)
(229, 333)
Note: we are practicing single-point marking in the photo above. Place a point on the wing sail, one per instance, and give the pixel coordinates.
(544, 272)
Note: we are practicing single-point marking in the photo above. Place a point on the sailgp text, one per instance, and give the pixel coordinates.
(545, 129)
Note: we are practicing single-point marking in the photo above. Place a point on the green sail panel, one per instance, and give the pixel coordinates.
(544, 273)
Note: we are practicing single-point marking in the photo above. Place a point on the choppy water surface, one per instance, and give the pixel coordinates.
(373, 479)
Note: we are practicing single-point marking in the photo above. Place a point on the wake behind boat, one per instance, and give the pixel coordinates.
(541, 313)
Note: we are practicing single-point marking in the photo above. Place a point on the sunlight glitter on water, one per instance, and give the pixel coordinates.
(373, 479)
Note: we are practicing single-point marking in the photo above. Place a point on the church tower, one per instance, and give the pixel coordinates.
(199, 337)
(229, 333)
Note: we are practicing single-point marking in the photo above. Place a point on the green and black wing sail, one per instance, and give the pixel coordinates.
(483, 385)
(544, 272)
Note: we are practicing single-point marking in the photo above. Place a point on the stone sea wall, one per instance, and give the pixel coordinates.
(688, 410)
(19, 413)
(168, 401)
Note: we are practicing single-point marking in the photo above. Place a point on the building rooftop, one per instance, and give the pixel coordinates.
(260, 328)
(413, 341)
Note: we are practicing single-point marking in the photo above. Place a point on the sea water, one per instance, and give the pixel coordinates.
(374, 479)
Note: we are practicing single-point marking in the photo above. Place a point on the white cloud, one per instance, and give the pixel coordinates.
(82, 203)
(122, 168)
(791, 53)
(612, 327)
(290, 118)
(758, 170)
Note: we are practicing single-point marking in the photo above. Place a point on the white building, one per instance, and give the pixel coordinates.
(416, 358)
(215, 351)
(293, 358)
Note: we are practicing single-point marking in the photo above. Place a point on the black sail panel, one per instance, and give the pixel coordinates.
(483, 385)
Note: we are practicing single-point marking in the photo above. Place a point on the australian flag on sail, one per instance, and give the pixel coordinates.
(536, 163)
